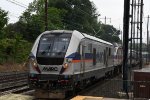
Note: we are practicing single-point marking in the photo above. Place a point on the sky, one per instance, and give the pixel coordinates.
(110, 8)
(14, 11)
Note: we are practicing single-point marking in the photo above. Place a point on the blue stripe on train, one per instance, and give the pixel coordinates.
(77, 56)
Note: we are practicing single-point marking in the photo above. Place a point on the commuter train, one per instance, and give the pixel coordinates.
(65, 60)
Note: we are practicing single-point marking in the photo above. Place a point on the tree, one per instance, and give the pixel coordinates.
(109, 33)
(14, 50)
(78, 15)
(33, 20)
(3, 21)
(68, 14)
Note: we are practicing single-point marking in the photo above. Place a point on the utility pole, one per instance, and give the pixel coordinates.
(105, 19)
(125, 44)
(46, 14)
(148, 39)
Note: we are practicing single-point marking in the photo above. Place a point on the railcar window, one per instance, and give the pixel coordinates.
(94, 56)
(104, 56)
(109, 51)
(101, 57)
(90, 47)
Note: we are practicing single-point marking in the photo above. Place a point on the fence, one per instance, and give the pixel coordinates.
(114, 89)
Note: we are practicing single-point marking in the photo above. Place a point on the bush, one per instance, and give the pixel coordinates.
(14, 50)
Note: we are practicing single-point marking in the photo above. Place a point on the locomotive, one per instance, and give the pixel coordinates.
(65, 60)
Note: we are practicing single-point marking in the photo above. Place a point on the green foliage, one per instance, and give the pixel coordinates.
(109, 33)
(67, 14)
(78, 15)
(31, 25)
(16, 39)
(14, 50)
(3, 21)
(55, 18)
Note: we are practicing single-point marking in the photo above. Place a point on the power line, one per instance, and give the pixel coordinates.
(17, 4)
(72, 24)
(20, 3)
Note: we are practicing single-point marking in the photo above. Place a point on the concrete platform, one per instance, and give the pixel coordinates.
(113, 99)
(94, 98)
(87, 98)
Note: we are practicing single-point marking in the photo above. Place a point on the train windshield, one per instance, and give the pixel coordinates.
(53, 45)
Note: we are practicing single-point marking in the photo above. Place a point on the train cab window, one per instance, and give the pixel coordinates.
(53, 45)
(52, 48)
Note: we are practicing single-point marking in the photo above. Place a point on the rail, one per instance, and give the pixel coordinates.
(13, 82)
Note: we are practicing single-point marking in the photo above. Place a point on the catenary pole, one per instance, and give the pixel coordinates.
(125, 43)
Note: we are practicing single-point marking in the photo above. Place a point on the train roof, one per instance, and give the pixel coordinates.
(84, 34)
(97, 39)
(58, 31)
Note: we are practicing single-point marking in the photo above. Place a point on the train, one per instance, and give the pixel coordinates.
(65, 60)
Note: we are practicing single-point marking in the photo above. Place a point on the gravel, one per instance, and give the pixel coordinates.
(16, 97)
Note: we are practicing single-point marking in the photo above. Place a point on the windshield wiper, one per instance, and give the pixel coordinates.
(43, 52)
(59, 53)
(47, 49)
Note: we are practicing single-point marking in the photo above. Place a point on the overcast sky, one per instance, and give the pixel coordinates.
(110, 8)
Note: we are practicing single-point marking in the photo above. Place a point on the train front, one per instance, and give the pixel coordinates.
(49, 61)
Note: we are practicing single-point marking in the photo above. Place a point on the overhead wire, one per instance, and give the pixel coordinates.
(73, 24)
(20, 3)
(17, 4)
(25, 6)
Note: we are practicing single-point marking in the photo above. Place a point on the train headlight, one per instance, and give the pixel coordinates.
(34, 65)
(65, 66)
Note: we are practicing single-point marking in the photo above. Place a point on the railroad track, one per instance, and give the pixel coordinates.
(14, 82)
(87, 88)
(13, 76)
(111, 87)
(86, 91)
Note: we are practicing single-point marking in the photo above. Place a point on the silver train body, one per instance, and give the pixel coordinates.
(65, 59)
